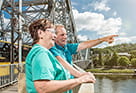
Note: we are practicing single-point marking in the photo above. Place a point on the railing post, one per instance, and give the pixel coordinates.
(83, 88)
(11, 72)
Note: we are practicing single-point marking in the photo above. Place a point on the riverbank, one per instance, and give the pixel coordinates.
(112, 71)
(125, 74)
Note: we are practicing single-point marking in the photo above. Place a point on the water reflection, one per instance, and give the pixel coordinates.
(115, 84)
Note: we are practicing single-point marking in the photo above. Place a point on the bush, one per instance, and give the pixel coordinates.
(123, 61)
(133, 62)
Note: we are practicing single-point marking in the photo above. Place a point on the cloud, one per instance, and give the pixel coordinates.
(133, 39)
(121, 40)
(101, 6)
(82, 37)
(89, 21)
(110, 26)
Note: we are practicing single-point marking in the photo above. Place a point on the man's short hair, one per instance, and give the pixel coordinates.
(58, 26)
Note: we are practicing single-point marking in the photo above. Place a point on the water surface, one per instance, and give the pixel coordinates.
(115, 84)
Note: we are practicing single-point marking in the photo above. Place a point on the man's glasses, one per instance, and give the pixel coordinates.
(51, 30)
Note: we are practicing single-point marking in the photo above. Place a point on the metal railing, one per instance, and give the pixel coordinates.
(8, 74)
(83, 63)
(85, 87)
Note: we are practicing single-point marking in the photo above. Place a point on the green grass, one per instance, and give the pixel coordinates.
(110, 70)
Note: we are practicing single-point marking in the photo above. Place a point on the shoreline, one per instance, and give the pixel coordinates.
(114, 74)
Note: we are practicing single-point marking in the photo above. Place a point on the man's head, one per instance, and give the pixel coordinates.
(61, 33)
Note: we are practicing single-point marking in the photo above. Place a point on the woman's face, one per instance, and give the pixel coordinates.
(52, 35)
(49, 36)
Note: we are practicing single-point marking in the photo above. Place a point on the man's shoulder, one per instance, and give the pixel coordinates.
(70, 45)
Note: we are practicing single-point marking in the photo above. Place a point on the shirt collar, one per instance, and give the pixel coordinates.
(60, 47)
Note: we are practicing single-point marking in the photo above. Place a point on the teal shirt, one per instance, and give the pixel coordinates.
(42, 65)
(65, 52)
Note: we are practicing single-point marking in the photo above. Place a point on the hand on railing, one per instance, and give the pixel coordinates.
(87, 77)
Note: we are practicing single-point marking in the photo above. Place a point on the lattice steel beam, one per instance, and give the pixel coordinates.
(59, 11)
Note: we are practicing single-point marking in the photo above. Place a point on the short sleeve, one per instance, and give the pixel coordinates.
(73, 48)
(54, 51)
(42, 67)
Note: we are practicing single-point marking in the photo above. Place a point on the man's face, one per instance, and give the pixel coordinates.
(61, 38)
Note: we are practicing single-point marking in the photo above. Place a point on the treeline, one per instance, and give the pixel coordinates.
(110, 56)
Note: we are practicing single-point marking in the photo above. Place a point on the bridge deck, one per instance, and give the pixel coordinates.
(10, 89)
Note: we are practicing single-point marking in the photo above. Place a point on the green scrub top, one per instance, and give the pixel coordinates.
(65, 52)
(42, 65)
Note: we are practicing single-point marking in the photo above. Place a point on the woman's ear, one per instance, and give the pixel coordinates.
(40, 34)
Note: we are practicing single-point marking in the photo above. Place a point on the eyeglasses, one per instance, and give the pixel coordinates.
(51, 30)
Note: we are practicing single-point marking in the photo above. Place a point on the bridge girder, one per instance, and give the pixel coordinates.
(59, 11)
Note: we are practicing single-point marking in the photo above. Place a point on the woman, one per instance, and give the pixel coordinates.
(44, 74)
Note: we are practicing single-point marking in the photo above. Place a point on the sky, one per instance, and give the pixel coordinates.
(98, 18)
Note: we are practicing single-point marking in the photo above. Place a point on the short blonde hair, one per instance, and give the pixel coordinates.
(58, 26)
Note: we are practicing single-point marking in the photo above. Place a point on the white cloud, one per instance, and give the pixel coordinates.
(110, 26)
(89, 21)
(101, 6)
(82, 37)
(121, 40)
(133, 39)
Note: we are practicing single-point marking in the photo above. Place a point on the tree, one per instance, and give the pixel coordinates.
(133, 54)
(133, 62)
(123, 61)
(114, 60)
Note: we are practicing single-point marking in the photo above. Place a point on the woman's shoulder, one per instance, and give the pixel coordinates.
(37, 49)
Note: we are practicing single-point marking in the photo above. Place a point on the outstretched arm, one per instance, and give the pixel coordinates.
(70, 68)
(91, 43)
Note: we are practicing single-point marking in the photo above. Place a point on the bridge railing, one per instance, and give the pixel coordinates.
(85, 87)
(8, 74)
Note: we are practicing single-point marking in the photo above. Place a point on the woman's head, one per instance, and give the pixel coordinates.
(38, 27)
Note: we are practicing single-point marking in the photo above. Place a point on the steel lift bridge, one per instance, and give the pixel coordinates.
(15, 41)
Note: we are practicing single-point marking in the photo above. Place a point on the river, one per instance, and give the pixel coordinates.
(115, 84)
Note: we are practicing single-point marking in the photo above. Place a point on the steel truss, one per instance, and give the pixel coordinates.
(16, 15)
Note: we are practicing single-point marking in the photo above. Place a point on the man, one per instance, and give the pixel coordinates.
(64, 51)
